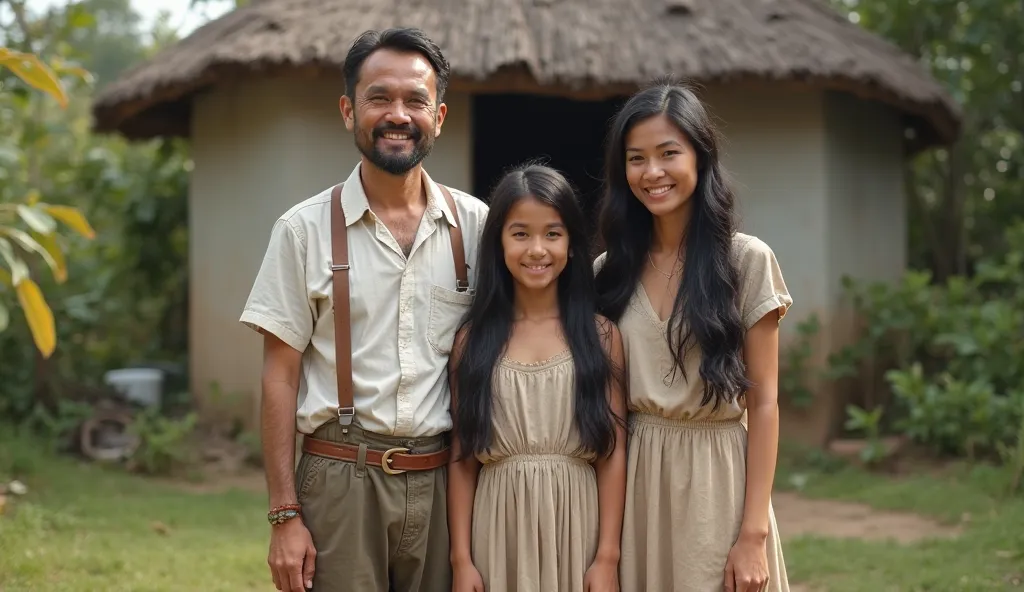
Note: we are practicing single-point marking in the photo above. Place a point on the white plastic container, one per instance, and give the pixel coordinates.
(138, 385)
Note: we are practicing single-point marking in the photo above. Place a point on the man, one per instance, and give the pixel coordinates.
(365, 509)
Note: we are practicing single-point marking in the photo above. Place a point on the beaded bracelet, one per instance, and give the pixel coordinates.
(287, 507)
(282, 514)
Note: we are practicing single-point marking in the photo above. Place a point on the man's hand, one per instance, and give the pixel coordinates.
(292, 557)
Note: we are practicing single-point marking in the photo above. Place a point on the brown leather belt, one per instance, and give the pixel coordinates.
(393, 461)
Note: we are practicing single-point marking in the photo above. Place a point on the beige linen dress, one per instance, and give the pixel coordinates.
(686, 471)
(535, 514)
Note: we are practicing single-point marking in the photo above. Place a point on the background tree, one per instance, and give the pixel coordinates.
(122, 298)
(37, 233)
(961, 199)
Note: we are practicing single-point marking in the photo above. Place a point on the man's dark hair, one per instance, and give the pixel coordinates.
(398, 39)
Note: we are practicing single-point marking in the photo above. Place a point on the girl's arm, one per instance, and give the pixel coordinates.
(761, 353)
(462, 476)
(611, 469)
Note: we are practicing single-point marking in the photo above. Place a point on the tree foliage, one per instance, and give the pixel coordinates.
(949, 339)
(119, 297)
(38, 232)
(964, 196)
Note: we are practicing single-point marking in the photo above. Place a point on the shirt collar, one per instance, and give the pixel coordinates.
(355, 205)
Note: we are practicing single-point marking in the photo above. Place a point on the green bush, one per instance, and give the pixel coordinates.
(955, 416)
(952, 353)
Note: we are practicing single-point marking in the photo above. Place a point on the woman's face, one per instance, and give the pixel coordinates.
(661, 166)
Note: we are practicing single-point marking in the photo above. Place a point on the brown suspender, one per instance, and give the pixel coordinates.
(342, 315)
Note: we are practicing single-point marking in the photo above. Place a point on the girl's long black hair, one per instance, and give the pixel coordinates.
(488, 324)
(705, 313)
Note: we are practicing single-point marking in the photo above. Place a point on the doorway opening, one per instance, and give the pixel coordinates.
(568, 135)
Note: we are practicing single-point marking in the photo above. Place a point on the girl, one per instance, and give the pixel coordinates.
(699, 307)
(537, 477)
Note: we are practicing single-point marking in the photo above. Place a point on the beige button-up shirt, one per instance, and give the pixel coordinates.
(404, 311)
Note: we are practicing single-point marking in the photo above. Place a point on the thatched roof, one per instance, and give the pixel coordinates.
(594, 48)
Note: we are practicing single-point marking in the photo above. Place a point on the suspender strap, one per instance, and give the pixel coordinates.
(339, 283)
(458, 251)
(342, 316)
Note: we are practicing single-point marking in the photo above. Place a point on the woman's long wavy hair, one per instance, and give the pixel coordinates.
(705, 313)
(488, 324)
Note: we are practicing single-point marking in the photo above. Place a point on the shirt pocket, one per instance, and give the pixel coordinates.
(447, 309)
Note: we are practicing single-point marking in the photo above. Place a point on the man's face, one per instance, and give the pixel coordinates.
(395, 116)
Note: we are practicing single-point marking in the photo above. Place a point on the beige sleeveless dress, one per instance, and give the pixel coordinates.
(535, 514)
(686, 468)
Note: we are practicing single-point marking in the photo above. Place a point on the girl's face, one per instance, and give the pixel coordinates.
(535, 242)
(661, 166)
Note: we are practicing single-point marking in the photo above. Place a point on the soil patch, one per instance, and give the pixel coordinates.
(796, 515)
(799, 516)
(213, 481)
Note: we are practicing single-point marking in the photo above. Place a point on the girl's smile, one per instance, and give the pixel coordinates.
(537, 268)
(536, 244)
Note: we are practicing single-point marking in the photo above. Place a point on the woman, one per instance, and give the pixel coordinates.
(698, 306)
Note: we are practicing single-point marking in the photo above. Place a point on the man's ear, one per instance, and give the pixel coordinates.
(442, 110)
(348, 113)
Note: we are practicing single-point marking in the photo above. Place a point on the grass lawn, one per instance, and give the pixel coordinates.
(989, 555)
(83, 528)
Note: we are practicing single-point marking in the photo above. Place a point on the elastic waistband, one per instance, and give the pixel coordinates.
(692, 424)
(538, 458)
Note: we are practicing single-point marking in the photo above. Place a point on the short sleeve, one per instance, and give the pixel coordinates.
(762, 288)
(279, 301)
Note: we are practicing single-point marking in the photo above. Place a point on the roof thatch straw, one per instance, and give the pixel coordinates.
(583, 48)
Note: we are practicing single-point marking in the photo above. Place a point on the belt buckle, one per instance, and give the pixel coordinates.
(385, 460)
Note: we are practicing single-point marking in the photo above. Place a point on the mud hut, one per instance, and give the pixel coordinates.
(819, 116)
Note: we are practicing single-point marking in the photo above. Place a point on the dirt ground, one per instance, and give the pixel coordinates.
(799, 516)
(829, 518)
(796, 515)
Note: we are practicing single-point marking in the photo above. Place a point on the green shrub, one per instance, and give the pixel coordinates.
(952, 353)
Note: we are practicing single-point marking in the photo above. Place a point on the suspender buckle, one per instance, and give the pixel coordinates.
(339, 267)
(345, 415)
(461, 286)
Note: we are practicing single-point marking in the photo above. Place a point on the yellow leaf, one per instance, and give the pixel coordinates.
(37, 219)
(34, 72)
(19, 270)
(30, 244)
(5, 318)
(73, 218)
(60, 266)
(33, 197)
(38, 315)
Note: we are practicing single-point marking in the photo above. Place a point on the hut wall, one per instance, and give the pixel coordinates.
(819, 177)
(867, 221)
(776, 153)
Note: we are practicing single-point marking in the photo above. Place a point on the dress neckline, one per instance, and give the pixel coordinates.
(539, 365)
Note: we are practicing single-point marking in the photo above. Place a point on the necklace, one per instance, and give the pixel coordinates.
(667, 275)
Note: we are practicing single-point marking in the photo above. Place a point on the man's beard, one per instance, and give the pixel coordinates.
(395, 163)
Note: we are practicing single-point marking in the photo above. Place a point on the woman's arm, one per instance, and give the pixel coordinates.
(611, 469)
(462, 476)
(761, 353)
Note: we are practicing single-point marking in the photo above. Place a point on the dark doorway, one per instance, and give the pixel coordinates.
(567, 135)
